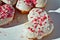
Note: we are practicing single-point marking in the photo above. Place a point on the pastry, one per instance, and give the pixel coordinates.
(6, 14)
(41, 24)
(24, 6)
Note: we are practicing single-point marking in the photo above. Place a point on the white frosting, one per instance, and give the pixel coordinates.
(21, 5)
(12, 2)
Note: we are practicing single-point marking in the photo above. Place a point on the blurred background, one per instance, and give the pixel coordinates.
(53, 5)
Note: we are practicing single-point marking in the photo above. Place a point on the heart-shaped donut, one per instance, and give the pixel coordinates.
(6, 14)
(25, 5)
(39, 25)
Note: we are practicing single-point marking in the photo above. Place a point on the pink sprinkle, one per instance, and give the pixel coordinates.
(38, 17)
(31, 29)
(40, 24)
(35, 26)
(37, 10)
(41, 19)
(34, 2)
(35, 20)
(45, 22)
(44, 17)
(39, 28)
(28, 1)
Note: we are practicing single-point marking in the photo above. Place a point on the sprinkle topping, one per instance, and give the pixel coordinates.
(38, 21)
(6, 11)
(30, 2)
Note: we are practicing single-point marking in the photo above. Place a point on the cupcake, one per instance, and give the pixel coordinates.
(12, 2)
(24, 5)
(6, 14)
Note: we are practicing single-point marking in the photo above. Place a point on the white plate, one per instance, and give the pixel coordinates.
(22, 18)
